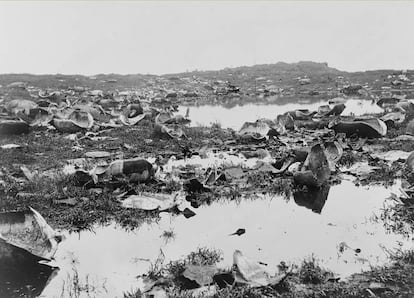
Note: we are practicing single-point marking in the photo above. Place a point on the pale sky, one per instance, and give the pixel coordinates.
(166, 37)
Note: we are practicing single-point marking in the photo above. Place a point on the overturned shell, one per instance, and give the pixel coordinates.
(364, 128)
(258, 130)
(29, 230)
(76, 121)
(66, 125)
(13, 127)
(39, 117)
(16, 106)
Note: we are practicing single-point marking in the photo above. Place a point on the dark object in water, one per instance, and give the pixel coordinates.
(313, 199)
(13, 127)
(188, 213)
(21, 275)
(239, 232)
(364, 128)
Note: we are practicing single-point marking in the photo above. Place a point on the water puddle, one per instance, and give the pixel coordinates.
(234, 117)
(331, 225)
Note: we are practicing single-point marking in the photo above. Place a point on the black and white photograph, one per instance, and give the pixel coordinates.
(222, 149)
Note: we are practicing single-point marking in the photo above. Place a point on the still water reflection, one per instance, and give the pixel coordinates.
(235, 117)
(109, 258)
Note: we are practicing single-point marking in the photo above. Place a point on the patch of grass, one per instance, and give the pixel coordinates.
(311, 273)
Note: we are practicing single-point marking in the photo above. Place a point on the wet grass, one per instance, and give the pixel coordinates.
(306, 280)
(310, 272)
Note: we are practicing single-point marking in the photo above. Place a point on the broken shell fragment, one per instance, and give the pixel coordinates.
(16, 106)
(29, 230)
(257, 131)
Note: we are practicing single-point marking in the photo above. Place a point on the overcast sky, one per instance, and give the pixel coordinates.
(166, 37)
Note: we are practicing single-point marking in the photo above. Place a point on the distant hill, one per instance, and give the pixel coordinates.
(282, 75)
